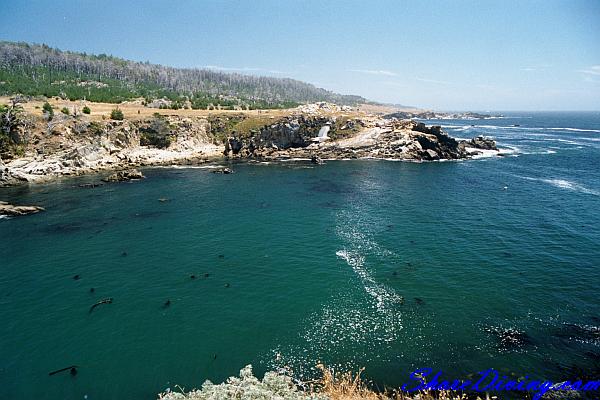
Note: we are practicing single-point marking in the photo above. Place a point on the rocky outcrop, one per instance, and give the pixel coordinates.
(393, 139)
(410, 115)
(316, 160)
(438, 115)
(15, 211)
(481, 142)
(436, 144)
(296, 131)
(122, 176)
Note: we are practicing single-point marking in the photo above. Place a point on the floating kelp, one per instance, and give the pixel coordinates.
(72, 369)
(89, 185)
(103, 301)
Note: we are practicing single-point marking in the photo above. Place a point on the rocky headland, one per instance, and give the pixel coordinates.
(420, 114)
(66, 145)
(319, 138)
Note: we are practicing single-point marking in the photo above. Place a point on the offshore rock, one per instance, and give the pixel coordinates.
(122, 176)
(481, 142)
(223, 171)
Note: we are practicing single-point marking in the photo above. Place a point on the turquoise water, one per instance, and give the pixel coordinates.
(386, 265)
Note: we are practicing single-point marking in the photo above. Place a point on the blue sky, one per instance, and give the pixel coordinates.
(447, 55)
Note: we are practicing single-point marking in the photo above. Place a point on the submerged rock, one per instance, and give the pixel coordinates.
(15, 211)
(317, 160)
(122, 176)
(89, 185)
(509, 338)
(223, 171)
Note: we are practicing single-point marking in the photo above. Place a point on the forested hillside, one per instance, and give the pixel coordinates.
(41, 70)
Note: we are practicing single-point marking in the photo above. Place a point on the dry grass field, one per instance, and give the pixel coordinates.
(133, 110)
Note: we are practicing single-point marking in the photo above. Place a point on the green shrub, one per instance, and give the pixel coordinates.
(96, 128)
(116, 114)
(158, 134)
(64, 110)
(48, 111)
(86, 110)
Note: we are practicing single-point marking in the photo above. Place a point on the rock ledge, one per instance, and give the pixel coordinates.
(15, 211)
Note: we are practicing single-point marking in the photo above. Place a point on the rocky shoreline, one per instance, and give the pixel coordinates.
(69, 146)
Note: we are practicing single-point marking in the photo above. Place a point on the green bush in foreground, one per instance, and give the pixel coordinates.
(116, 114)
(86, 110)
(64, 110)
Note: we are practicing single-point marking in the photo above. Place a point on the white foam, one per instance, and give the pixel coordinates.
(293, 159)
(565, 141)
(175, 166)
(541, 151)
(519, 128)
(382, 295)
(563, 184)
(574, 129)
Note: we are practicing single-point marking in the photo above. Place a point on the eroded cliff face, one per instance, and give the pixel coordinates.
(70, 147)
(296, 131)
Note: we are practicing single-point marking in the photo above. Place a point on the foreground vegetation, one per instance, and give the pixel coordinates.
(331, 386)
(38, 70)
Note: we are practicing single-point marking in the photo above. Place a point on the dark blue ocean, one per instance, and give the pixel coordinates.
(391, 266)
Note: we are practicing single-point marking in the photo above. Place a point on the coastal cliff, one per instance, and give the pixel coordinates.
(76, 146)
(42, 148)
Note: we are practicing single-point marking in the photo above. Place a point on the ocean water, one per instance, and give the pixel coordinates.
(391, 266)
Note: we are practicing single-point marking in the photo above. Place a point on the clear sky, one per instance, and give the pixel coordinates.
(447, 55)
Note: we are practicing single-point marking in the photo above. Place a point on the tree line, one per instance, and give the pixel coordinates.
(42, 70)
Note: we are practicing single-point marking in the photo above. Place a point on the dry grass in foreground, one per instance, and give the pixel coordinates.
(332, 386)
